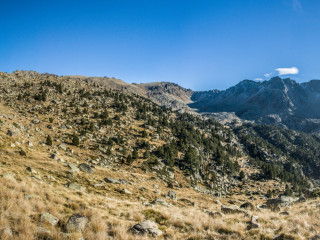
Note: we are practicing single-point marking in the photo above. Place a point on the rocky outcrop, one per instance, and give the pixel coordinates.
(147, 227)
(76, 223)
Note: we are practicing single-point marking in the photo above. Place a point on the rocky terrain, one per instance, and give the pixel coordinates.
(96, 158)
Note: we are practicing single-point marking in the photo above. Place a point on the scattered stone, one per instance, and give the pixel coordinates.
(73, 167)
(161, 201)
(37, 176)
(43, 233)
(248, 205)
(9, 176)
(147, 227)
(302, 199)
(115, 181)
(22, 153)
(126, 191)
(253, 223)
(31, 170)
(49, 218)
(85, 168)
(172, 195)
(285, 213)
(232, 209)
(316, 237)
(284, 236)
(215, 214)
(63, 146)
(10, 133)
(6, 232)
(188, 202)
(75, 186)
(170, 185)
(76, 223)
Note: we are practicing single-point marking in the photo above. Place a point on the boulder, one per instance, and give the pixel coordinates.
(85, 168)
(75, 186)
(49, 218)
(147, 227)
(172, 195)
(73, 168)
(76, 223)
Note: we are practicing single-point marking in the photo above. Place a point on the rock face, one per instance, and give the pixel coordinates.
(147, 227)
(76, 223)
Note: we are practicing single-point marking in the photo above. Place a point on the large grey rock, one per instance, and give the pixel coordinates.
(49, 218)
(85, 168)
(147, 227)
(76, 223)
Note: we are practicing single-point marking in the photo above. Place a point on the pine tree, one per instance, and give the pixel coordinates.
(129, 159)
(135, 154)
(75, 140)
(49, 141)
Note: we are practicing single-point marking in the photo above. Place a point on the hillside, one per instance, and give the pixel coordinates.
(100, 150)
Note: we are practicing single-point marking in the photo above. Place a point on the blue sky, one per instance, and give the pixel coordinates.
(197, 44)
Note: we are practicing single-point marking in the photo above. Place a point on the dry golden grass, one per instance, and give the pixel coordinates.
(111, 214)
(22, 201)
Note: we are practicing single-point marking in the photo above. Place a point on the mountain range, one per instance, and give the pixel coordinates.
(278, 102)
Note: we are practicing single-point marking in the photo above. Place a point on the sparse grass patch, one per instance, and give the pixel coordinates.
(155, 216)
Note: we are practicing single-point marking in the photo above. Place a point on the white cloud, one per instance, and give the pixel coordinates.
(287, 71)
(258, 79)
(267, 75)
